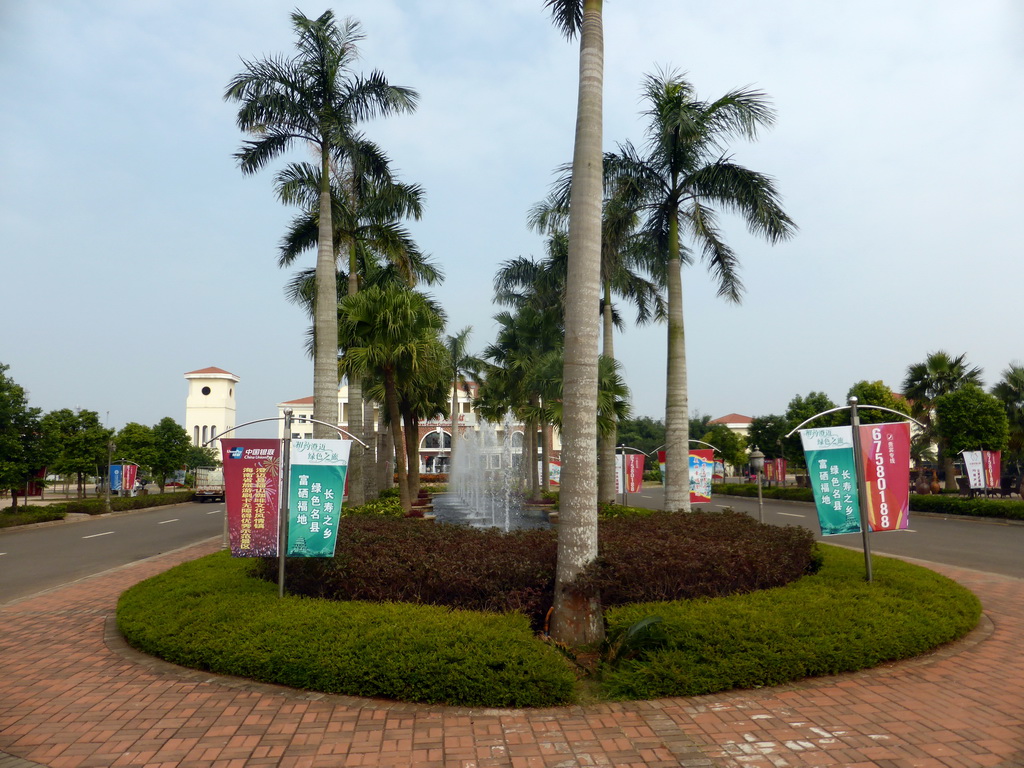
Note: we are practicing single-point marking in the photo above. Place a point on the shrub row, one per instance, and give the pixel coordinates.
(823, 624)
(666, 556)
(209, 615)
(657, 557)
(942, 504)
(27, 515)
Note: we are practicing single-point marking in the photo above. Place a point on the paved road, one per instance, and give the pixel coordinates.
(982, 544)
(37, 558)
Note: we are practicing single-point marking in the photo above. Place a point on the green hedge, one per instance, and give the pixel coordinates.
(942, 504)
(823, 624)
(37, 513)
(208, 614)
(27, 515)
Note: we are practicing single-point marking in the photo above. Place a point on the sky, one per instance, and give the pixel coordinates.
(133, 249)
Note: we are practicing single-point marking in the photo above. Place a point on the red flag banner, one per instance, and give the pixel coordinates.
(992, 461)
(252, 490)
(775, 470)
(885, 451)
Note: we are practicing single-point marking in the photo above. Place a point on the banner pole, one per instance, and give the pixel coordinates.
(862, 490)
(282, 531)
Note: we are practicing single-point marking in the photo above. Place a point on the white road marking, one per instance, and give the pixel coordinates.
(93, 536)
(215, 512)
(173, 520)
(791, 514)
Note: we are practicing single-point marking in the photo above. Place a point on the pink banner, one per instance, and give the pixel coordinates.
(992, 461)
(252, 490)
(634, 472)
(885, 451)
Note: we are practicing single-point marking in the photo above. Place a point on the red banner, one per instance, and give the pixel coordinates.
(252, 491)
(993, 471)
(885, 451)
(775, 470)
(128, 474)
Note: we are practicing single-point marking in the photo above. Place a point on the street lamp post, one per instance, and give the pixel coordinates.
(757, 464)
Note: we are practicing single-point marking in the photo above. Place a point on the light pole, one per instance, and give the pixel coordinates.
(757, 464)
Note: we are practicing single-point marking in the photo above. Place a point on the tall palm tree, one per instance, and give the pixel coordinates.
(313, 98)
(620, 259)
(939, 374)
(577, 619)
(393, 332)
(678, 184)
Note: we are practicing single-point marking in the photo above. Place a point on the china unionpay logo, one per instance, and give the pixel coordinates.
(236, 453)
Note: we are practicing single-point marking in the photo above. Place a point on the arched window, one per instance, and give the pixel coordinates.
(517, 439)
(204, 434)
(195, 435)
(213, 431)
(432, 441)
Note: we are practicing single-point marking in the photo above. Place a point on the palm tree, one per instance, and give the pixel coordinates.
(367, 204)
(577, 619)
(620, 258)
(677, 186)
(939, 374)
(391, 331)
(313, 98)
(1010, 390)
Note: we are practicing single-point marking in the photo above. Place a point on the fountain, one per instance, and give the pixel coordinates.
(484, 482)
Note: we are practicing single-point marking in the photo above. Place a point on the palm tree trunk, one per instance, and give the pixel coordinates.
(356, 461)
(677, 424)
(412, 452)
(391, 395)
(386, 461)
(576, 619)
(325, 361)
(606, 463)
(545, 458)
(369, 454)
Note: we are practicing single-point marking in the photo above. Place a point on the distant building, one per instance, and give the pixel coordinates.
(737, 422)
(210, 405)
(435, 434)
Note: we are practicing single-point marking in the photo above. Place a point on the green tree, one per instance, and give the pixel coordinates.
(768, 433)
(170, 450)
(731, 446)
(22, 448)
(83, 444)
(392, 332)
(136, 443)
(620, 277)
(314, 99)
(939, 374)
(970, 419)
(645, 433)
(877, 393)
(680, 183)
(367, 207)
(1010, 391)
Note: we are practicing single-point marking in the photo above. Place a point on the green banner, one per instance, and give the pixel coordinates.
(316, 485)
(832, 474)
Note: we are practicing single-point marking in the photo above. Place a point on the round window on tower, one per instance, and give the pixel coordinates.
(206, 390)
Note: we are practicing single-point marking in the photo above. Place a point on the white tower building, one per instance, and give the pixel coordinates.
(210, 405)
